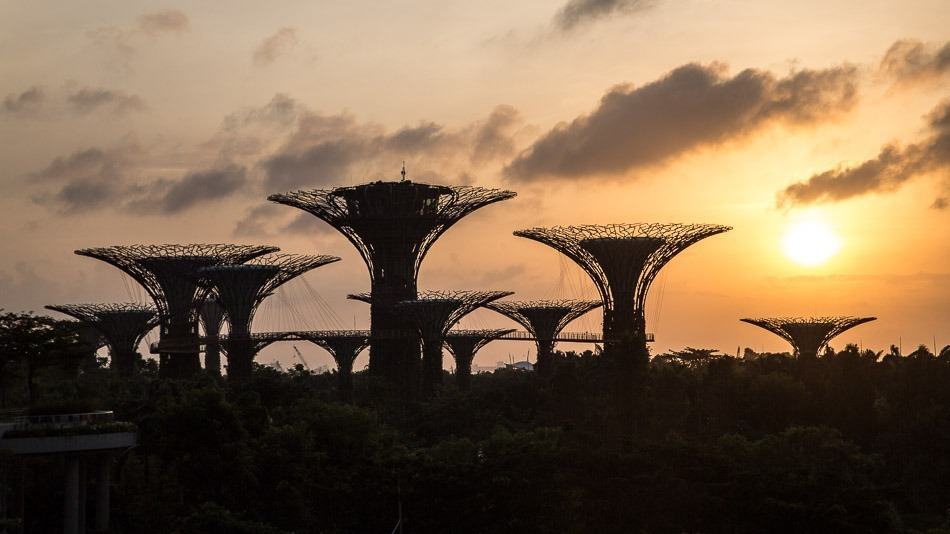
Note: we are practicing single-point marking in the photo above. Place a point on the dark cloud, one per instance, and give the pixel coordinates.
(892, 167)
(275, 45)
(576, 13)
(87, 179)
(910, 61)
(270, 220)
(88, 99)
(174, 196)
(26, 102)
(165, 21)
(328, 149)
(692, 107)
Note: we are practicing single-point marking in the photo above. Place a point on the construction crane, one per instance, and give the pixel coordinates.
(300, 357)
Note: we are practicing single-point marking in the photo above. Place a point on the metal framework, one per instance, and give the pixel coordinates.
(169, 275)
(344, 346)
(464, 344)
(211, 315)
(392, 225)
(122, 325)
(544, 319)
(623, 260)
(808, 335)
(240, 288)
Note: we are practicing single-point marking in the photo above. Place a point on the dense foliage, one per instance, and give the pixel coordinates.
(852, 442)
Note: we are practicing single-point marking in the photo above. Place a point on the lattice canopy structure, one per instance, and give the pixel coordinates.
(211, 316)
(392, 225)
(623, 260)
(544, 319)
(464, 344)
(122, 325)
(344, 346)
(433, 314)
(242, 287)
(808, 335)
(169, 275)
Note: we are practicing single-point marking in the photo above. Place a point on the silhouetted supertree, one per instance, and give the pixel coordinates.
(241, 288)
(433, 313)
(623, 260)
(122, 325)
(344, 346)
(808, 335)
(464, 344)
(211, 315)
(544, 319)
(169, 275)
(392, 225)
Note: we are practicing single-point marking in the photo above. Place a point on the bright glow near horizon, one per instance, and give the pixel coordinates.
(810, 242)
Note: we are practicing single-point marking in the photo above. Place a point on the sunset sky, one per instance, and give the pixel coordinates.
(125, 122)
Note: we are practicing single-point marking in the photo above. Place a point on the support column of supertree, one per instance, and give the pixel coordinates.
(240, 290)
(544, 319)
(211, 315)
(122, 325)
(344, 346)
(169, 275)
(808, 335)
(393, 225)
(464, 344)
(623, 260)
(433, 313)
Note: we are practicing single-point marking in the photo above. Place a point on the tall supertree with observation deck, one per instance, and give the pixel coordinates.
(808, 335)
(240, 288)
(623, 260)
(122, 325)
(169, 274)
(393, 224)
(464, 344)
(544, 319)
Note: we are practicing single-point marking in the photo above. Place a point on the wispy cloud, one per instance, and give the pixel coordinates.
(274, 46)
(577, 13)
(910, 62)
(89, 99)
(24, 103)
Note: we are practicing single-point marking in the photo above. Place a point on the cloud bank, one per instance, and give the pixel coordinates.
(577, 13)
(909, 61)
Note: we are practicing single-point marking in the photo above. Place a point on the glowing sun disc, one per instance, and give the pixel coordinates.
(810, 243)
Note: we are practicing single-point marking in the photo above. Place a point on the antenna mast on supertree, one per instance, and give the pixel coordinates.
(393, 225)
(211, 315)
(169, 275)
(344, 346)
(464, 344)
(240, 290)
(544, 319)
(122, 325)
(808, 335)
(433, 313)
(623, 260)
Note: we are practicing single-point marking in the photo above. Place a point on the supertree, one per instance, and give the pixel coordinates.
(211, 315)
(393, 225)
(241, 288)
(623, 260)
(544, 319)
(433, 313)
(808, 335)
(169, 275)
(344, 346)
(464, 344)
(122, 325)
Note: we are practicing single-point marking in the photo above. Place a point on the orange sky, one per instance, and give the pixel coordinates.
(127, 122)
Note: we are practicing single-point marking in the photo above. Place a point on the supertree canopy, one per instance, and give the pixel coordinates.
(344, 346)
(169, 275)
(464, 344)
(393, 225)
(240, 288)
(433, 313)
(122, 325)
(211, 316)
(623, 260)
(808, 335)
(544, 319)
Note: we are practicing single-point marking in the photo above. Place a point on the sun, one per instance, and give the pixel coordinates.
(810, 242)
